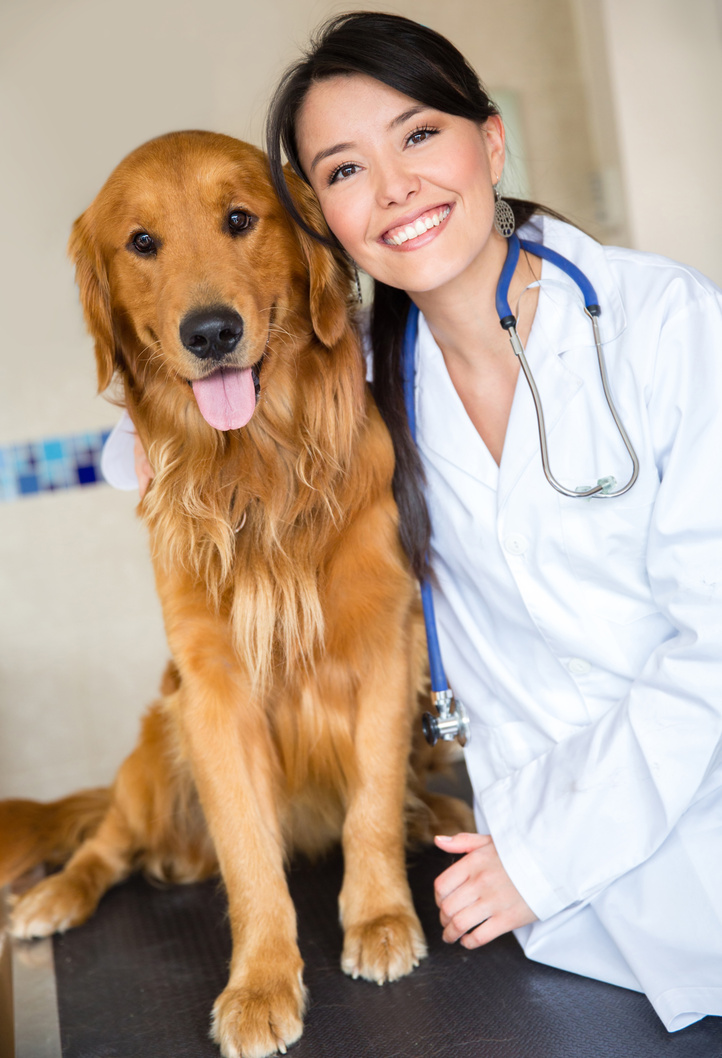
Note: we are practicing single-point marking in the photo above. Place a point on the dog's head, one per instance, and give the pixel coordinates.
(187, 265)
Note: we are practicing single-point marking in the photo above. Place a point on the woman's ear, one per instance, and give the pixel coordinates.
(495, 143)
(329, 272)
(92, 279)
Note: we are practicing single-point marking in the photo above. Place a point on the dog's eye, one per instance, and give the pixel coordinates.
(143, 243)
(239, 221)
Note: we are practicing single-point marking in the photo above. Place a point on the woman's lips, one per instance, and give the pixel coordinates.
(411, 231)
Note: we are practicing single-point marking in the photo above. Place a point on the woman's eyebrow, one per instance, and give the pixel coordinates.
(338, 147)
(412, 112)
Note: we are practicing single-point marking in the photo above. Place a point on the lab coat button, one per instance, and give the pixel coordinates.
(516, 544)
(579, 667)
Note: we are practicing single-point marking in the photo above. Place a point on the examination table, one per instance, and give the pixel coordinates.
(139, 980)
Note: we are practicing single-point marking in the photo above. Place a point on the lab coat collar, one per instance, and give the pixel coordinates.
(589, 256)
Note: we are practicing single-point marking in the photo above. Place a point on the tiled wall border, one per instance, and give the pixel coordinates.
(54, 463)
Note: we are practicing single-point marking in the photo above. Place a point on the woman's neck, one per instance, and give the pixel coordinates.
(463, 319)
(462, 314)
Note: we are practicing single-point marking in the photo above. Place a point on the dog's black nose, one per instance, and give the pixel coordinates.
(211, 334)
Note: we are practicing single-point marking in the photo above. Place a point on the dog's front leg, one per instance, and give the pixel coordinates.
(383, 937)
(228, 744)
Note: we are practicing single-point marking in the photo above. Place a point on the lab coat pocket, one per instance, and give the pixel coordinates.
(606, 544)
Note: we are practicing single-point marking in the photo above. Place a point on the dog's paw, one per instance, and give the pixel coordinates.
(261, 1020)
(52, 906)
(383, 949)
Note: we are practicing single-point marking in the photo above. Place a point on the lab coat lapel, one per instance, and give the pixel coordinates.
(442, 421)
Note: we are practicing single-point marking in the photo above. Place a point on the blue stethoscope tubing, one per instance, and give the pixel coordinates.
(455, 724)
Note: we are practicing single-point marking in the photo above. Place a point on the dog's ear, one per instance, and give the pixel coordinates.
(329, 271)
(92, 279)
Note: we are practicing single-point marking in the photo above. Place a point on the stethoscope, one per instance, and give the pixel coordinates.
(452, 721)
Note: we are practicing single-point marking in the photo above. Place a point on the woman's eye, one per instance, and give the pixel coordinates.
(342, 172)
(143, 243)
(419, 135)
(239, 221)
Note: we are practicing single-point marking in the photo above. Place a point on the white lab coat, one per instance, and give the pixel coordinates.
(585, 636)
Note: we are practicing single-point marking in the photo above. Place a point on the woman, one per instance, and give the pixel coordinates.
(583, 635)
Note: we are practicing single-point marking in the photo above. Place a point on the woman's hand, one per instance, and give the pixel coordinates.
(477, 892)
(143, 470)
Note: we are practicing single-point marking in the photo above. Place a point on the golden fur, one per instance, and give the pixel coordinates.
(286, 715)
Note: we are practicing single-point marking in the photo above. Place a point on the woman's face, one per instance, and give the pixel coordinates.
(406, 189)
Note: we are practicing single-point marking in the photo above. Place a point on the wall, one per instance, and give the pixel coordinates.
(653, 72)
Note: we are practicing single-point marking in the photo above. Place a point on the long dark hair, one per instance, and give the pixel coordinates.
(421, 64)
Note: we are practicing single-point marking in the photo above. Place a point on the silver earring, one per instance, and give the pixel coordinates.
(504, 221)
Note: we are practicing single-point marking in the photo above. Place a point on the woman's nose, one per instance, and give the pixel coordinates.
(396, 184)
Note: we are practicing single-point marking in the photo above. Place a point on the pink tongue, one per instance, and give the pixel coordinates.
(227, 398)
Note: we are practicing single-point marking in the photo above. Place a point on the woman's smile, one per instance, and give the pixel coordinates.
(408, 232)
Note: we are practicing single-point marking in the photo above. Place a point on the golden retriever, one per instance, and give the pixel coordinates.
(287, 712)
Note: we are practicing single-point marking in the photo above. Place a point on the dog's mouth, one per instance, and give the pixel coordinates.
(227, 398)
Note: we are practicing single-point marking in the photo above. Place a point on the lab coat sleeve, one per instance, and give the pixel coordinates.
(117, 462)
(602, 801)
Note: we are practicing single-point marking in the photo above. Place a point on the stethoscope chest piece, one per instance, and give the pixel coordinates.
(451, 721)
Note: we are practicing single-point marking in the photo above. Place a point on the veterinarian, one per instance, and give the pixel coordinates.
(583, 634)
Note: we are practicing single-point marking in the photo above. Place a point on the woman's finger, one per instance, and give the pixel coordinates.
(462, 842)
(466, 919)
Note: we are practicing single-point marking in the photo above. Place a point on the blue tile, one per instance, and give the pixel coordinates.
(87, 475)
(28, 484)
(53, 450)
(54, 474)
(8, 488)
(50, 464)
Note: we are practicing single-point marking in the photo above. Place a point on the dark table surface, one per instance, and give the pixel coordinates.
(139, 981)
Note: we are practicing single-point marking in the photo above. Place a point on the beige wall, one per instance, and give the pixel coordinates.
(653, 71)
(81, 83)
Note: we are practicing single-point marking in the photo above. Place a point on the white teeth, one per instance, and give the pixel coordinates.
(419, 227)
